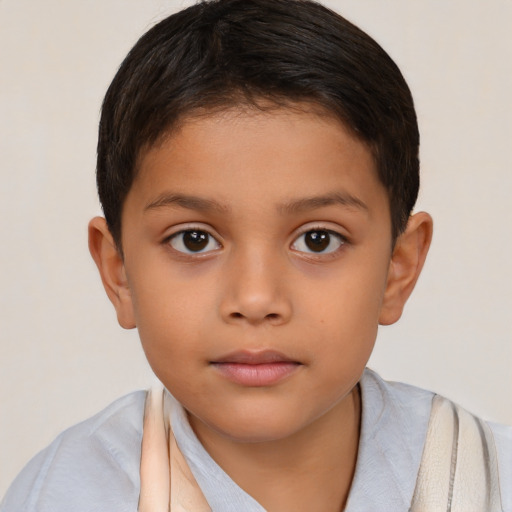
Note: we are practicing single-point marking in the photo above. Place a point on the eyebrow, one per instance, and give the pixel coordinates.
(315, 202)
(191, 202)
(186, 201)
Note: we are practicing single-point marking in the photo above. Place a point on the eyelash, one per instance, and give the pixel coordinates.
(192, 230)
(327, 234)
(205, 239)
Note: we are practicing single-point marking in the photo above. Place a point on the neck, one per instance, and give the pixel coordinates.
(310, 470)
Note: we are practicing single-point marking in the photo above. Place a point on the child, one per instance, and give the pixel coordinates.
(257, 167)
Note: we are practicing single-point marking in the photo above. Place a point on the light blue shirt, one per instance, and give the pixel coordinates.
(95, 464)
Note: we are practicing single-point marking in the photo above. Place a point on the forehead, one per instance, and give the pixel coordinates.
(276, 156)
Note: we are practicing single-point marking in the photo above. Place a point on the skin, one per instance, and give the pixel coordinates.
(255, 179)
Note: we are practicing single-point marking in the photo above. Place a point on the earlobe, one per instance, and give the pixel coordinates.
(405, 266)
(112, 271)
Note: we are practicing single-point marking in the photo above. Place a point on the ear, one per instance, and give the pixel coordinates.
(405, 266)
(112, 271)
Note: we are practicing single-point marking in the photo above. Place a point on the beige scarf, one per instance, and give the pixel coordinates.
(458, 471)
(166, 482)
(459, 467)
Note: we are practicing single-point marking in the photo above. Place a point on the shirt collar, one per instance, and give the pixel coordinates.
(220, 491)
(393, 428)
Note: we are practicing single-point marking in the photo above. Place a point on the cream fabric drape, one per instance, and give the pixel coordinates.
(166, 482)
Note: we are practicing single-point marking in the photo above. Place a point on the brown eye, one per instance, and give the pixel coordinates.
(320, 241)
(193, 241)
(317, 241)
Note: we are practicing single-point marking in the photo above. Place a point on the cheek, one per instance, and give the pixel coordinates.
(169, 316)
(168, 296)
(347, 320)
(349, 299)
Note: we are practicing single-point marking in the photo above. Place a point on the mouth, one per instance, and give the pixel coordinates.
(255, 369)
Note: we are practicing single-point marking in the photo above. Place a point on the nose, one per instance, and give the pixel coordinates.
(256, 291)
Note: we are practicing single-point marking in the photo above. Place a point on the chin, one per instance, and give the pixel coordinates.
(256, 429)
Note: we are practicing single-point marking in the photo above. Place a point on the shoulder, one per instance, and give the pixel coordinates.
(93, 465)
(503, 441)
(402, 412)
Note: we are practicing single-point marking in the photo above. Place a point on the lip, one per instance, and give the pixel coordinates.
(255, 369)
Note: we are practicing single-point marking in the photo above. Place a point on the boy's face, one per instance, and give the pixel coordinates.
(256, 256)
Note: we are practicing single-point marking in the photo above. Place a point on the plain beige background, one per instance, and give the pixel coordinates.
(62, 355)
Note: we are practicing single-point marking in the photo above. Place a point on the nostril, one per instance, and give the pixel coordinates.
(270, 316)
